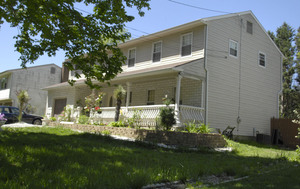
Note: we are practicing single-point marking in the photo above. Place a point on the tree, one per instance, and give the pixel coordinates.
(285, 35)
(23, 99)
(119, 94)
(297, 43)
(48, 26)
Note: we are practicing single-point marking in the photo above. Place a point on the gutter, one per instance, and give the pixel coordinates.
(206, 71)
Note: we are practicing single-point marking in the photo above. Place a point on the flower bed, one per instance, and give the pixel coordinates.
(190, 140)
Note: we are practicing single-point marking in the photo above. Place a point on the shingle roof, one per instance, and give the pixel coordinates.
(132, 73)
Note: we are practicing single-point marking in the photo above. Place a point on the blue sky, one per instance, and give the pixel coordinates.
(165, 14)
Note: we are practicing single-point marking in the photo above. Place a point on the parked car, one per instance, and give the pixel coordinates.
(12, 114)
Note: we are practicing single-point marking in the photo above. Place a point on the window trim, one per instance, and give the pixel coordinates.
(181, 39)
(150, 102)
(260, 52)
(237, 48)
(134, 57)
(160, 51)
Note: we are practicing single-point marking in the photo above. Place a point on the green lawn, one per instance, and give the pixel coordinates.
(60, 158)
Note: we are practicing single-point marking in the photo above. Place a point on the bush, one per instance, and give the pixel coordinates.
(193, 127)
(117, 124)
(166, 118)
(52, 119)
(136, 119)
(83, 119)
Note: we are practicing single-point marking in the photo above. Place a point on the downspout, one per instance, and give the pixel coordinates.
(280, 91)
(206, 75)
(238, 120)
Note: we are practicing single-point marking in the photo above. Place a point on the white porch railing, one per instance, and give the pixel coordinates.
(149, 113)
(190, 113)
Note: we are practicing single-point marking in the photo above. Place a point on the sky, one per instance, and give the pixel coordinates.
(165, 14)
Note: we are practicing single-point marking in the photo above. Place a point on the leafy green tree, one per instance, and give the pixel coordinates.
(284, 38)
(23, 99)
(48, 26)
(297, 43)
(119, 94)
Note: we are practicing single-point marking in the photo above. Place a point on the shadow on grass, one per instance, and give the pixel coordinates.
(35, 160)
(269, 146)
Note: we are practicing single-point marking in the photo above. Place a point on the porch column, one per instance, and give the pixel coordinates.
(177, 100)
(128, 84)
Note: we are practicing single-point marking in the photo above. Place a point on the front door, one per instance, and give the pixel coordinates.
(59, 105)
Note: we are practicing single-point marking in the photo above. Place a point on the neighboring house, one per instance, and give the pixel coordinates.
(223, 70)
(32, 79)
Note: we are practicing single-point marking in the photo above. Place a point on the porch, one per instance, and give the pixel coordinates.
(183, 83)
(150, 113)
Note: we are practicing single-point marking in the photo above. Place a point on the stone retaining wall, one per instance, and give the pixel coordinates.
(190, 140)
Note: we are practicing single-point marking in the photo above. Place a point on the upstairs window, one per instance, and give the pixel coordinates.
(186, 44)
(3, 83)
(157, 47)
(131, 57)
(262, 59)
(52, 70)
(249, 27)
(151, 97)
(233, 48)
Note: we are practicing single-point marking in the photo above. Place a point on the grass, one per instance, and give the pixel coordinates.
(47, 157)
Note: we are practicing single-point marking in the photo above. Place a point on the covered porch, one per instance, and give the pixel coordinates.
(183, 83)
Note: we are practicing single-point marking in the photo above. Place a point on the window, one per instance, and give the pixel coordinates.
(249, 27)
(130, 97)
(157, 47)
(52, 70)
(233, 48)
(262, 59)
(131, 57)
(186, 44)
(151, 97)
(3, 83)
(110, 104)
(14, 111)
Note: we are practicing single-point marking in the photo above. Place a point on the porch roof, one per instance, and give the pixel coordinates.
(175, 67)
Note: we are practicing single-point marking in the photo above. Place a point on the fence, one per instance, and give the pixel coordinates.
(284, 130)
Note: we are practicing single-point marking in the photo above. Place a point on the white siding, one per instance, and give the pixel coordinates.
(33, 80)
(62, 93)
(259, 86)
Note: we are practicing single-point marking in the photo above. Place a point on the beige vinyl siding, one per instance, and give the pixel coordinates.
(195, 69)
(259, 86)
(170, 50)
(191, 90)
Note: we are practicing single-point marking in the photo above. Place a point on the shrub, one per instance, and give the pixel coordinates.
(136, 119)
(66, 113)
(166, 118)
(83, 119)
(193, 127)
(23, 99)
(52, 119)
(117, 124)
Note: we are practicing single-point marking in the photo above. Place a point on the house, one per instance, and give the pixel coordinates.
(32, 79)
(222, 70)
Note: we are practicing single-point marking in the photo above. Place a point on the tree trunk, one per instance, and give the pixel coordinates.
(118, 107)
